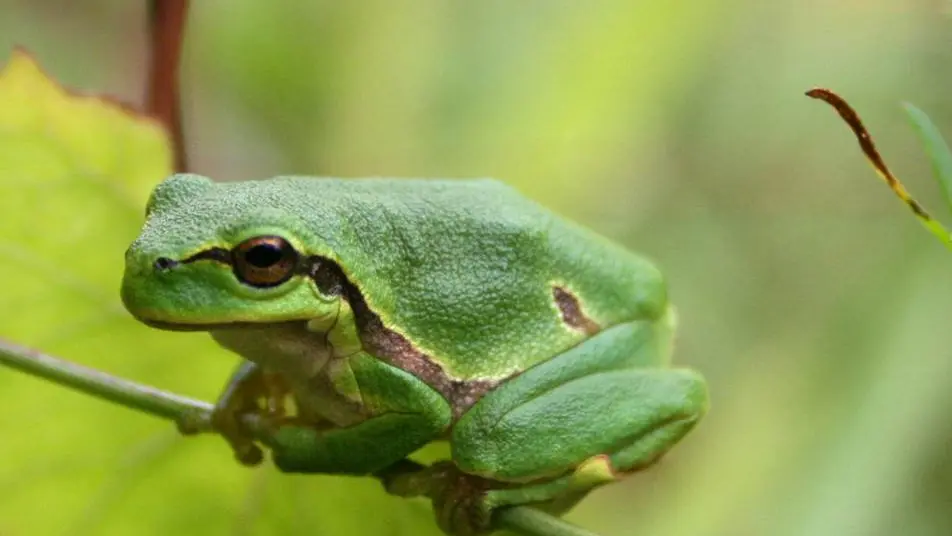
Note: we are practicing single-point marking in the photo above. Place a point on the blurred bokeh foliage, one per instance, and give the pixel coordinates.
(809, 296)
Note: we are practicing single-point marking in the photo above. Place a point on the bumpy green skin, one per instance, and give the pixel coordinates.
(465, 271)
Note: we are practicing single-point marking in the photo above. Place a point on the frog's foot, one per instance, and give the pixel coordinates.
(559, 495)
(250, 391)
(462, 503)
(466, 505)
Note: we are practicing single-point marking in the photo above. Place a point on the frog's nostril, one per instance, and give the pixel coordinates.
(164, 263)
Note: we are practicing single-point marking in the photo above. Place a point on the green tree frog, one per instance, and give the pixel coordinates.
(398, 312)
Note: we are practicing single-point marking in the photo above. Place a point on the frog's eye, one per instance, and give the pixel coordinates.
(264, 261)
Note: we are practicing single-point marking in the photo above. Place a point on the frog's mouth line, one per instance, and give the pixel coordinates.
(212, 326)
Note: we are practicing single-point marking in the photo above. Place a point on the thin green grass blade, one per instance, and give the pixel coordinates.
(936, 148)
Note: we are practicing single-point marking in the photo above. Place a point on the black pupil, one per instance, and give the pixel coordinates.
(264, 255)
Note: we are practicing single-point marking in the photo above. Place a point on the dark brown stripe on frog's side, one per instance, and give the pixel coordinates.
(572, 313)
(391, 346)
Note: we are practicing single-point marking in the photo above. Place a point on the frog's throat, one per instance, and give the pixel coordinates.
(207, 326)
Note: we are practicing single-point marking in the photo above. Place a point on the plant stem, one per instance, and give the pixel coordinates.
(533, 522)
(166, 31)
(197, 415)
(99, 384)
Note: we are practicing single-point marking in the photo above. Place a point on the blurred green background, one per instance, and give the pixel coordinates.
(812, 300)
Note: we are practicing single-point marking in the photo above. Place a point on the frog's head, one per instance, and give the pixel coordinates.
(213, 255)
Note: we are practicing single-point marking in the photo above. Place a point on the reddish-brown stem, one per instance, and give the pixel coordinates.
(166, 30)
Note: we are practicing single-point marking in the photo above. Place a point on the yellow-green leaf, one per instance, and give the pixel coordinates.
(75, 172)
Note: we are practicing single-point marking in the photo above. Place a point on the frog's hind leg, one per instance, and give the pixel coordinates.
(577, 421)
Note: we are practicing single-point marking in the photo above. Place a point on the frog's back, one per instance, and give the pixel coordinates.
(480, 278)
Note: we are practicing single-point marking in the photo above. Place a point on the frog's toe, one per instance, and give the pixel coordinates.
(228, 424)
(250, 455)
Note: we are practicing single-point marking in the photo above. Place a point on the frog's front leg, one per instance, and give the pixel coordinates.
(404, 414)
(566, 426)
(250, 390)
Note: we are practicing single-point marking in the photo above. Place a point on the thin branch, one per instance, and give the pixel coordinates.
(195, 415)
(99, 384)
(534, 522)
(166, 31)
